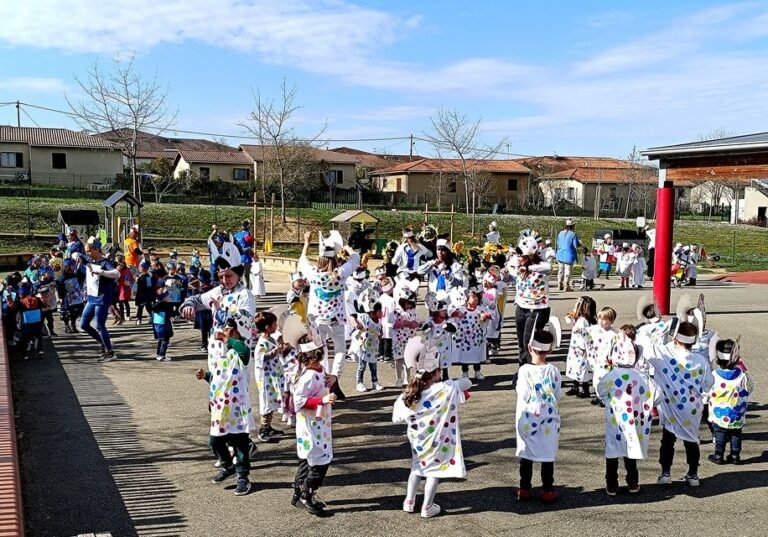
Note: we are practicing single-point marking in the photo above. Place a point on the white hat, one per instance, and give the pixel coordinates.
(553, 327)
(295, 276)
(624, 352)
(387, 285)
(360, 274)
(607, 236)
(568, 221)
(442, 243)
(528, 244)
(408, 232)
(330, 246)
(492, 226)
(642, 304)
(548, 242)
(678, 245)
(625, 245)
(421, 355)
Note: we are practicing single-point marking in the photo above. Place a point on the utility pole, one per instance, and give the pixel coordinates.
(410, 153)
(18, 114)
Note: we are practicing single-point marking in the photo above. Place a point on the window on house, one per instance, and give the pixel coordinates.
(339, 176)
(399, 186)
(452, 186)
(241, 174)
(512, 185)
(205, 173)
(59, 161)
(11, 160)
(571, 195)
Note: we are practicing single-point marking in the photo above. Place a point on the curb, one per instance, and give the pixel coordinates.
(11, 513)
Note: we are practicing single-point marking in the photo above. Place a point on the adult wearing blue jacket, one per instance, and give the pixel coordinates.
(567, 246)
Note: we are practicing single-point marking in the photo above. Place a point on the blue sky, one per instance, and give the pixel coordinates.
(575, 78)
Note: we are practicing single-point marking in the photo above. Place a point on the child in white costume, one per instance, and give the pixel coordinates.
(625, 260)
(682, 378)
(430, 408)
(358, 290)
(439, 331)
(365, 346)
(490, 303)
(577, 362)
(314, 437)
(653, 330)
(628, 404)
(268, 371)
(600, 341)
(404, 328)
(387, 302)
(728, 401)
(469, 341)
(257, 277)
(537, 417)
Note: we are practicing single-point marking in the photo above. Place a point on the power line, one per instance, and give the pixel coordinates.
(245, 137)
(30, 117)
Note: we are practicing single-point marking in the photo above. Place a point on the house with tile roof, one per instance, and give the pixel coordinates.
(47, 156)
(579, 182)
(418, 180)
(340, 167)
(225, 164)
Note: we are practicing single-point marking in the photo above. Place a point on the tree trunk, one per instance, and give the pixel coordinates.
(282, 196)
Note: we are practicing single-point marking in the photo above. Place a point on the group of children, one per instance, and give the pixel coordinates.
(657, 366)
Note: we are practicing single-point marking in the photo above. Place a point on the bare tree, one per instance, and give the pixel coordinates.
(269, 122)
(123, 103)
(441, 181)
(554, 191)
(640, 181)
(458, 137)
(161, 178)
(714, 134)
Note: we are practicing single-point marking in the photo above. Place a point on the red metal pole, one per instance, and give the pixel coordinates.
(662, 268)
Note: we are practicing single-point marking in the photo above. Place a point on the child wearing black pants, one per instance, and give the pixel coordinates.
(162, 314)
(231, 417)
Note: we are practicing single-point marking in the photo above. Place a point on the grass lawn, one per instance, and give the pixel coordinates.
(741, 247)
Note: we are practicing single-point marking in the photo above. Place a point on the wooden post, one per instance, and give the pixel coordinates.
(452, 213)
(272, 222)
(473, 215)
(254, 210)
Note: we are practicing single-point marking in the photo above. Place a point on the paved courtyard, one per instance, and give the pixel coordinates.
(121, 448)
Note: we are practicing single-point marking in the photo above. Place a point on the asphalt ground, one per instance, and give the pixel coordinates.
(122, 447)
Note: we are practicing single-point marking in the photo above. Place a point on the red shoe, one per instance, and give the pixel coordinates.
(549, 496)
(524, 494)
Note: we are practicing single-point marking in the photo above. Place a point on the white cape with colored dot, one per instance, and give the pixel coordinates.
(433, 429)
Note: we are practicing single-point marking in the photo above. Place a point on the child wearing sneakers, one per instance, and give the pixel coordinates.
(365, 345)
(162, 327)
(600, 341)
(728, 402)
(230, 408)
(628, 404)
(537, 417)
(314, 436)
(269, 374)
(469, 341)
(430, 408)
(682, 378)
(584, 316)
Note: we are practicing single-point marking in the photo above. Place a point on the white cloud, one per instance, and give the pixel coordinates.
(682, 37)
(33, 85)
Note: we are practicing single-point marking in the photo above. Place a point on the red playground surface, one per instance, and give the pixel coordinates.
(758, 276)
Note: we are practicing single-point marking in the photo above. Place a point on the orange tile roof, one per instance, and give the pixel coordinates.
(560, 163)
(232, 156)
(426, 165)
(45, 137)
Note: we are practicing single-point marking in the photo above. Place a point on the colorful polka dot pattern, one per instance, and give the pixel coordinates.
(229, 400)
